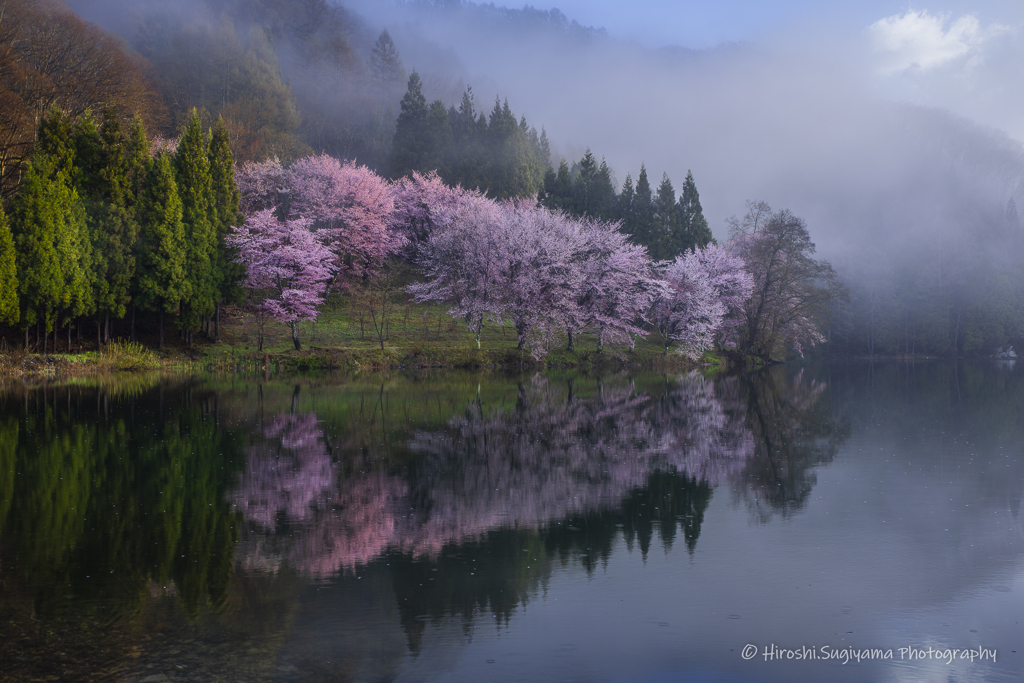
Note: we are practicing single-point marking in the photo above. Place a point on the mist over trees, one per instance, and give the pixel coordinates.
(928, 246)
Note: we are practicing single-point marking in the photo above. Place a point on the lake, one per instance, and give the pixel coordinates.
(840, 522)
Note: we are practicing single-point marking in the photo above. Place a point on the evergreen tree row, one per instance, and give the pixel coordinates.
(497, 154)
(660, 222)
(102, 227)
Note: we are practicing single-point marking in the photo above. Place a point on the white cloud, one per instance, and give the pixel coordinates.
(919, 40)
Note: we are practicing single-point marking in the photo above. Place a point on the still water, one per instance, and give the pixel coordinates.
(468, 527)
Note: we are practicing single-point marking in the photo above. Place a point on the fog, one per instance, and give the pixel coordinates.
(894, 132)
(816, 123)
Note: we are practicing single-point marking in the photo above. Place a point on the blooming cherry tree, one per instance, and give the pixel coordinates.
(262, 185)
(460, 261)
(287, 265)
(733, 285)
(423, 205)
(691, 311)
(348, 206)
(618, 286)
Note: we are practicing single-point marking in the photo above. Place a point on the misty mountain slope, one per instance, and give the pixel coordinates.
(909, 203)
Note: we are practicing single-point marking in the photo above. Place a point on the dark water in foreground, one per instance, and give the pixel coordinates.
(461, 527)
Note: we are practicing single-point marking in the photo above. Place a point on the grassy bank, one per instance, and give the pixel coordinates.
(344, 338)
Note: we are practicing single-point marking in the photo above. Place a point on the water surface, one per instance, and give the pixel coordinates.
(473, 527)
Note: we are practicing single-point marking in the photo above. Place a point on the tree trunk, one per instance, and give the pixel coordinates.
(132, 336)
(161, 344)
(26, 343)
(99, 335)
(106, 329)
(570, 347)
(216, 323)
(295, 337)
(69, 336)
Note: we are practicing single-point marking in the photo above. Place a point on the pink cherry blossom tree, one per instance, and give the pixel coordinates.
(423, 205)
(690, 312)
(459, 259)
(733, 285)
(618, 287)
(539, 272)
(262, 185)
(287, 269)
(348, 206)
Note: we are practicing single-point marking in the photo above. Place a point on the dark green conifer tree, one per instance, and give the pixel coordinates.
(104, 182)
(195, 188)
(9, 313)
(641, 227)
(695, 226)
(624, 205)
(53, 257)
(665, 238)
(228, 273)
(407, 148)
(56, 154)
(585, 170)
(545, 149)
(602, 194)
(34, 228)
(162, 277)
(438, 133)
(558, 188)
(137, 157)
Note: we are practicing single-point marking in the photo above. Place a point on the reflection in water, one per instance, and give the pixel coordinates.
(550, 455)
(108, 501)
(121, 508)
(793, 432)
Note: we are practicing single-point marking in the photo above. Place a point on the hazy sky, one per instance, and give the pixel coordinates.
(705, 24)
(967, 57)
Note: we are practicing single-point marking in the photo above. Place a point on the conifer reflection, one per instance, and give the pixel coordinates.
(113, 495)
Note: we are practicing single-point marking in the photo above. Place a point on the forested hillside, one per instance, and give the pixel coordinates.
(97, 126)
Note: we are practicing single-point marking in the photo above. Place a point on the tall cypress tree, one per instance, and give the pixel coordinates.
(195, 187)
(34, 228)
(642, 223)
(104, 181)
(665, 238)
(9, 313)
(162, 277)
(228, 272)
(407, 147)
(63, 221)
(53, 257)
(624, 205)
(137, 159)
(558, 188)
(695, 226)
(585, 169)
(438, 136)
(602, 193)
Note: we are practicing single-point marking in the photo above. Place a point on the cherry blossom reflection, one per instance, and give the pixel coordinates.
(551, 455)
(334, 523)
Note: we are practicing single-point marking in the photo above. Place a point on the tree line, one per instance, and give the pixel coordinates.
(666, 225)
(551, 275)
(106, 224)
